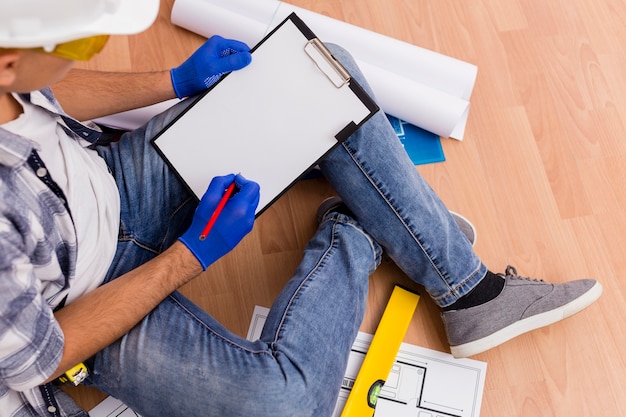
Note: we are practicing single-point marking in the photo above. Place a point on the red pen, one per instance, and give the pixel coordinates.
(218, 210)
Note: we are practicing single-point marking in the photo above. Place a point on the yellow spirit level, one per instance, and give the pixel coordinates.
(381, 354)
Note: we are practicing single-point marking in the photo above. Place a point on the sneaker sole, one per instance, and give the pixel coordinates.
(472, 234)
(528, 324)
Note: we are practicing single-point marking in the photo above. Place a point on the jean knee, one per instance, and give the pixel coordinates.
(349, 63)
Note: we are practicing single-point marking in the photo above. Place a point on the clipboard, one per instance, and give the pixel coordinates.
(271, 121)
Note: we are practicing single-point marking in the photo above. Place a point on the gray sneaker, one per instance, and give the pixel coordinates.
(523, 305)
(336, 203)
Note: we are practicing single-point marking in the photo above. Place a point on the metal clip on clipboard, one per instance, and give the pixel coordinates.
(327, 63)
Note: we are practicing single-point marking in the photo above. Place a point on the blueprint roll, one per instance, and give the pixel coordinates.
(433, 69)
(406, 79)
(438, 114)
(206, 18)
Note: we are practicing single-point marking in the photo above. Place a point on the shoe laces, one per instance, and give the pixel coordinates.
(511, 273)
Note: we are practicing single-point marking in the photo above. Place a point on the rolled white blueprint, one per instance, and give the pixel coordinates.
(399, 94)
(206, 18)
(422, 87)
(433, 69)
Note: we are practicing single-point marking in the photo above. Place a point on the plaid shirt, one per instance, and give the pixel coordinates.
(37, 266)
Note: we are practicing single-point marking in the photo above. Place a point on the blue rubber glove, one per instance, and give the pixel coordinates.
(204, 68)
(234, 222)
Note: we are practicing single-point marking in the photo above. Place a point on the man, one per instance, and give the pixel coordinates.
(95, 238)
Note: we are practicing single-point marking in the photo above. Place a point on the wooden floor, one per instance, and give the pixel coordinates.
(540, 173)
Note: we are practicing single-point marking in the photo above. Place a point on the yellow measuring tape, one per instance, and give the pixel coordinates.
(381, 354)
(75, 375)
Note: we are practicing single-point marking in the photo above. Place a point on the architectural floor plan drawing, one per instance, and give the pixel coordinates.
(112, 407)
(422, 383)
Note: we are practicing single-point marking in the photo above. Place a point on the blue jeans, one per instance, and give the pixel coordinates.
(181, 361)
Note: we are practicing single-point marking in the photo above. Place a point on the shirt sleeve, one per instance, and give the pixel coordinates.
(31, 341)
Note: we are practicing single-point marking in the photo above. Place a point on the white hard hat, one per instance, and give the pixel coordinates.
(46, 23)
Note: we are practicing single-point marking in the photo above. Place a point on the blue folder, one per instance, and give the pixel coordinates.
(422, 146)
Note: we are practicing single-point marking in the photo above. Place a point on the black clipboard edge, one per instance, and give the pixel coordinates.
(369, 103)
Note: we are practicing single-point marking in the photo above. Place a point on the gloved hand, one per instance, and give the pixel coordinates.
(234, 222)
(210, 61)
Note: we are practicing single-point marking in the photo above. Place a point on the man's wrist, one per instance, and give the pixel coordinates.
(186, 260)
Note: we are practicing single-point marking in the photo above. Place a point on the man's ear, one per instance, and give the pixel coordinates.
(8, 61)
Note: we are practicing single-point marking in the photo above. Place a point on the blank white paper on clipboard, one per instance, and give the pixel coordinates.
(271, 121)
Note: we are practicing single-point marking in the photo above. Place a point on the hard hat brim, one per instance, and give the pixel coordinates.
(131, 17)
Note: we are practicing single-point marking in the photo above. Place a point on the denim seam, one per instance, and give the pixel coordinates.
(347, 220)
(391, 206)
(172, 214)
(443, 301)
(310, 274)
(128, 237)
(219, 336)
